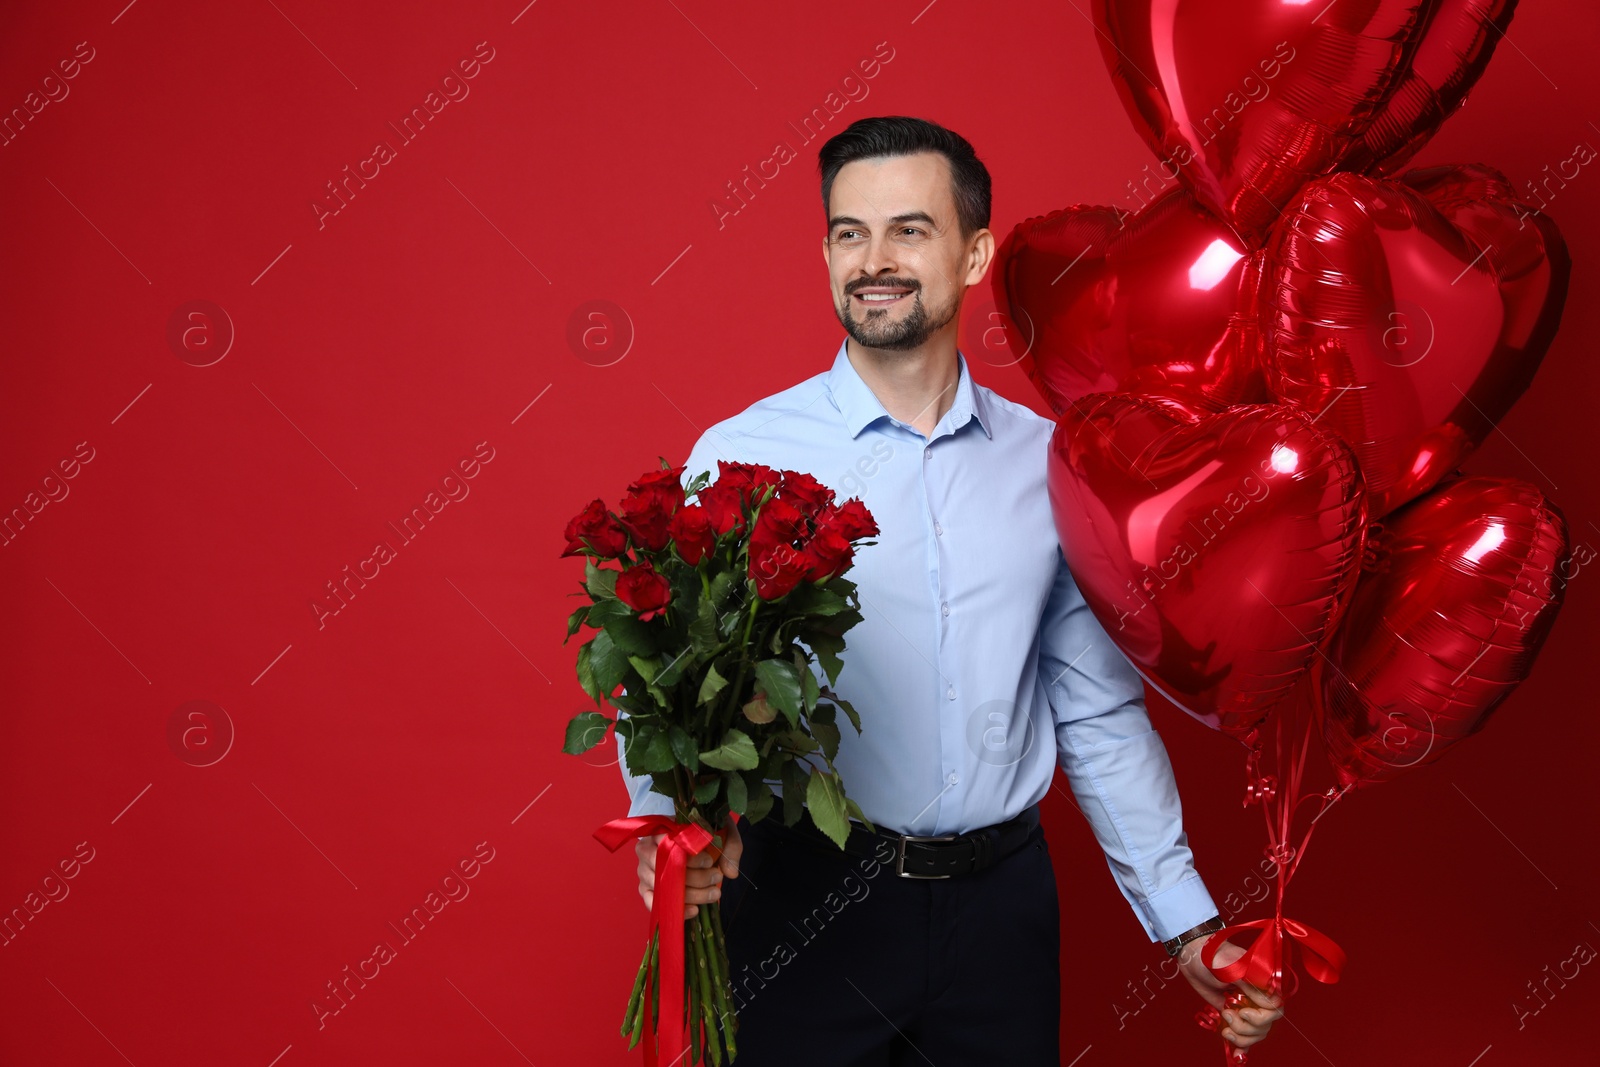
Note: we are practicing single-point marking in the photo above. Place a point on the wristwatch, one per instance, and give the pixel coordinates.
(1210, 926)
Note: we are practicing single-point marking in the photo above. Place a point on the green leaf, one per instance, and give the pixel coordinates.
(760, 802)
(672, 671)
(824, 797)
(855, 810)
(808, 681)
(601, 584)
(826, 647)
(827, 735)
(683, 747)
(797, 741)
(697, 483)
(575, 620)
(738, 795)
(778, 680)
(705, 792)
(711, 686)
(855, 720)
(586, 673)
(632, 636)
(604, 612)
(647, 668)
(703, 630)
(794, 791)
(608, 662)
(736, 753)
(811, 599)
(825, 800)
(586, 730)
(654, 754)
(722, 587)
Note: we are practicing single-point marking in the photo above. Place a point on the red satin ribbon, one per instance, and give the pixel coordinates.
(1262, 963)
(684, 839)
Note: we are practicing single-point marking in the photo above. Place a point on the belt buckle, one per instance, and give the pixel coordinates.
(900, 855)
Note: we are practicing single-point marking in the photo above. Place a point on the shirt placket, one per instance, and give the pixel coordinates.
(935, 493)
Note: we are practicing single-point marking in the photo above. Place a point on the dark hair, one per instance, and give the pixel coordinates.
(900, 135)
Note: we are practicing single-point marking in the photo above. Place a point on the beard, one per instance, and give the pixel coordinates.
(877, 330)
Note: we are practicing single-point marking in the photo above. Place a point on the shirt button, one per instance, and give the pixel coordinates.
(954, 778)
(951, 692)
(945, 607)
(927, 453)
(937, 528)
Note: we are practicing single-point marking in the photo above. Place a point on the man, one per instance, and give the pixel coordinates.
(977, 670)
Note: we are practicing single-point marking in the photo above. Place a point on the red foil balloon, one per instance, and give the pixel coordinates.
(1456, 47)
(1247, 100)
(1458, 594)
(1216, 551)
(1250, 99)
(1109, 300)
(1410, 315)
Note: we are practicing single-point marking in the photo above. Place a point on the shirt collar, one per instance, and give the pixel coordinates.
(861, 406)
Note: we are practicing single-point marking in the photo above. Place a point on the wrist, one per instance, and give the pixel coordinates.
(1175, 944)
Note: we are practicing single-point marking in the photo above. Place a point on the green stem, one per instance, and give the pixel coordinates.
(695, 997)
(701, 981)
(629, 1016)
(636, 1029)
(744, 662)
(725, 1020)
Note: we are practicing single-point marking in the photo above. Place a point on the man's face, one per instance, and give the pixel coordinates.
(897, 263)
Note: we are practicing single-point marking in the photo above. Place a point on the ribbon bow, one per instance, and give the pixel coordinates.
(684, 839)
(1263, 962)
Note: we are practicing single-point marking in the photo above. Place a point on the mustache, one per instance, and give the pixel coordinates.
(900, 283)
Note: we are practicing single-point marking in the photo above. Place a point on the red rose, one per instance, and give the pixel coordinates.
(805, 492)
(691, 532)
(826, 555)
(775, 568)
(751, 479)
(643, 590)
(722, 507)
(778, 523)
(666, 483)
(649, 505)
(596, 529)
(851, 519)
(647, 519)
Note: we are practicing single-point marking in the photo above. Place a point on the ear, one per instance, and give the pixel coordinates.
(980, 256)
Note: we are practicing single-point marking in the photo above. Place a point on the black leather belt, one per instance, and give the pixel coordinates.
(943, 856)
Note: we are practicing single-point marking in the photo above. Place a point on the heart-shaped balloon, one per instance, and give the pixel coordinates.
(1216, 550)
(1410, 315)
(1456, 597)
(1457, 45)
(1248, 100)
(1104, 300)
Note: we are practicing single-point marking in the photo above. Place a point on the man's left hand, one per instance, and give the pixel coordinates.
(1247, 1025)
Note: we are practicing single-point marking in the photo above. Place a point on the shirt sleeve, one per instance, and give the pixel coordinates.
(1116, 764)
(642, 799)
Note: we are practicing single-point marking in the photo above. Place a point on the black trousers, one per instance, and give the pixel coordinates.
(837, 960)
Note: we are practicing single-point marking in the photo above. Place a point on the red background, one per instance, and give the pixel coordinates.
(374, 753)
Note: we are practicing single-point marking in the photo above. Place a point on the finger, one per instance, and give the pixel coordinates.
(1262, 998)
(703, 896)
(690, 911)
(1240, 1024)
(732, 853)
(702, 877)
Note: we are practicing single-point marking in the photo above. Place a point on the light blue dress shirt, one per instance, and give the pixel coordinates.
(978, 667)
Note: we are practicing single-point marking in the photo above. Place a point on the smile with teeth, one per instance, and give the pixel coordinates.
(883, 297)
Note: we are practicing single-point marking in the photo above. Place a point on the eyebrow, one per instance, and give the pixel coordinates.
(909, 216)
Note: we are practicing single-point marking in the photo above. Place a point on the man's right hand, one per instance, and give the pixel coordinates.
(705, 872)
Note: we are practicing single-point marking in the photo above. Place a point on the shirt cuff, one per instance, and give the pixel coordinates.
(1172, 911)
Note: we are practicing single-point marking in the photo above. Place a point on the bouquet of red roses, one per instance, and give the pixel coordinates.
(706, 634)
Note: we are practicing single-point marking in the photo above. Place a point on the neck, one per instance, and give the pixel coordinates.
(916, 387)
